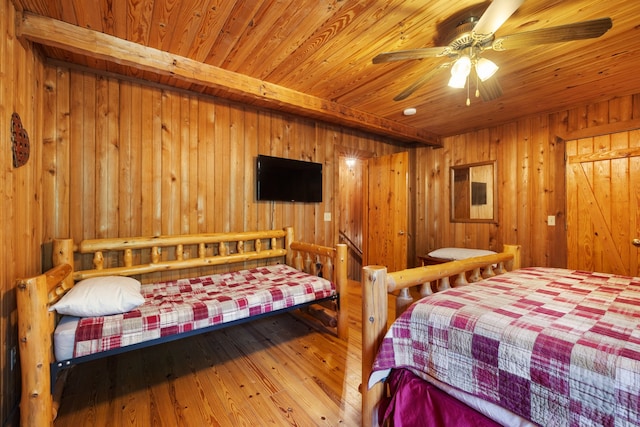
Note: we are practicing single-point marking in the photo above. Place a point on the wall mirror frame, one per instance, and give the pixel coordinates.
(474, 194)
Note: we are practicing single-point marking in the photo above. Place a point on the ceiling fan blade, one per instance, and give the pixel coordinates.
(421, 81)
(401, 55)
(489, 89)
(495, 15)
(562, 33)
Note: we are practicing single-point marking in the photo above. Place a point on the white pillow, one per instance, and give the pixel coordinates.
(100, 296)
(64, 337)
(459, 253)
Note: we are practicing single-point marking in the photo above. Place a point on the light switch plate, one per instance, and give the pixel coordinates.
(327, 216)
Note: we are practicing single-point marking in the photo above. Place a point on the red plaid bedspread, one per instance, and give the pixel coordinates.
(183, 305)
(558, 347)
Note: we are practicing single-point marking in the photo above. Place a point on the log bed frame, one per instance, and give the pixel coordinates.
(136, 256)
(377, 284)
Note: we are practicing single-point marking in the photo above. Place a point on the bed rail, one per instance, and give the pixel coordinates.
(143, 255)
(377, 284)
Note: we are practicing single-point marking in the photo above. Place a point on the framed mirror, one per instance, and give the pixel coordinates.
(474, 192)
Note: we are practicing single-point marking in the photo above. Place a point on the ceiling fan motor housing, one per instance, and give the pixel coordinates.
(462, 37)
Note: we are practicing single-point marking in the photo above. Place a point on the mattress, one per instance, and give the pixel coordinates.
(179, 306)
(554, 346)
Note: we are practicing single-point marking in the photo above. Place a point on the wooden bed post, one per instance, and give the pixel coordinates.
(35, 329)
(374, 289)
(35, 344)
(63, 254)
(515, 250)
(288, 239)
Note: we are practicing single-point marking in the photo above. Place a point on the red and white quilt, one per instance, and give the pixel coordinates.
(174, 307)
(557, 347)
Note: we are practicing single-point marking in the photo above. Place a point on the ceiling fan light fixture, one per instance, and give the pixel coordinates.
(459, 72)
(457, 83)
(485, 68)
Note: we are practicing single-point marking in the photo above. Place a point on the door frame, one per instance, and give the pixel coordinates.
(592, 132)
(340, 152)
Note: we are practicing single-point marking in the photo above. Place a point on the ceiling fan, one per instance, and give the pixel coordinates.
(474, 35)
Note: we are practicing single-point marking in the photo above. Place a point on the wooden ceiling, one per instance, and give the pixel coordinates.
(313, 57)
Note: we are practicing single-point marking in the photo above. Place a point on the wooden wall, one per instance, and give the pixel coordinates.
(531, 182)
(530, 171)
(135, 159)
(20, 192)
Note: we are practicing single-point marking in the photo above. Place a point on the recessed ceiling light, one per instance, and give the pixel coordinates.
(409, 112)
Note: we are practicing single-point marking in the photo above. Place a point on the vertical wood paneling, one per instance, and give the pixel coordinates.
(250, 207)
(265, 209)
(620, 197)
(8, 228)
(22, 191)
(146, 161)
(210, 166)
(102, 211)
(76, 154)
(112, 123)
(126, 160)
(508, 191)
(221, 186)
(87, 145)
(620, 110)
(50, 227)
(236, 166)
(522, 196)
(157, 133)
(169, 165)
(557, 254)
(62, 147)
(152, 160)
(539, 186)
(192, 208)
(137, 125)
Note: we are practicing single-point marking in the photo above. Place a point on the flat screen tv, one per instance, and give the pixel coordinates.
(288, 180)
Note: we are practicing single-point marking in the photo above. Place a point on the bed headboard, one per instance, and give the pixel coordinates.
(134, 256)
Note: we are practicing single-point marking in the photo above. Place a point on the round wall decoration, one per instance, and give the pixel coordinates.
(20, 142)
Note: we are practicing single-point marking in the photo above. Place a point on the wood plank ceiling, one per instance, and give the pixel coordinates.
(313, 57)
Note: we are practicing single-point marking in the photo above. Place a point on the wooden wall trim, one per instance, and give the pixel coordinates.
(605, 155)
(606, 129)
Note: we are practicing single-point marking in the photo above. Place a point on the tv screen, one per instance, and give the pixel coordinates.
(288, 180)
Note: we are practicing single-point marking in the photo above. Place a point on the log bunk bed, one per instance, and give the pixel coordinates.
(219, 296)
(504, 346)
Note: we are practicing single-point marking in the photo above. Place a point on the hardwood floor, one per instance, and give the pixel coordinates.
(277, 371)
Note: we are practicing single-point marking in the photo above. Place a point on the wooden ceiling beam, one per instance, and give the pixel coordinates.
(94, 44)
